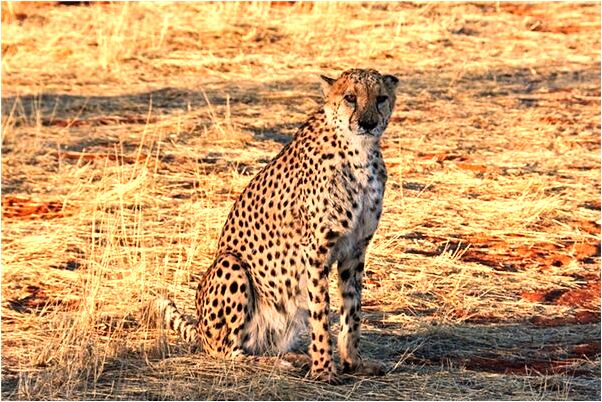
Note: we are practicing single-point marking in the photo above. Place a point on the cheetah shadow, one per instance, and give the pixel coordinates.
(512, 347)
(469, 353)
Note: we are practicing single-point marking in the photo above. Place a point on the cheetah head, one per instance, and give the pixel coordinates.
(359, 102)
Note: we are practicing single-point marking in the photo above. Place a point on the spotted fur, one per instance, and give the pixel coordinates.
(318, 202)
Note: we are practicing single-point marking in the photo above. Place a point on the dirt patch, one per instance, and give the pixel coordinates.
(26, 208)
(578, 318)
(587, 296)
(36, 300)
(504, 255)
(522, 358)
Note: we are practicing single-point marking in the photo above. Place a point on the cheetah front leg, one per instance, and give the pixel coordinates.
(351, 270)
(320, 349)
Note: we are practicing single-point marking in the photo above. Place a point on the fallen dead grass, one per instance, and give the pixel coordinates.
(129, 129)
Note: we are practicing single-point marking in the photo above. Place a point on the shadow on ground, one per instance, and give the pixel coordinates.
(439, 359)
(59, 109)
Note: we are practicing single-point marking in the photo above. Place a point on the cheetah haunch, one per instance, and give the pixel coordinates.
(316, 203)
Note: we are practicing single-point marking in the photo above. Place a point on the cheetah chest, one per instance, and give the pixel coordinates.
(368, 195)
(370, 201)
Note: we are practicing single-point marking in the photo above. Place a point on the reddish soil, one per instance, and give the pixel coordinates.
(26, 208)
(473, 167)
(579, 318)
(550, 359)
(36, 300)
(504, 256)
(460, 161)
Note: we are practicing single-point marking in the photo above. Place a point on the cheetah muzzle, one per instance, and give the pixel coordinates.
(318, 202)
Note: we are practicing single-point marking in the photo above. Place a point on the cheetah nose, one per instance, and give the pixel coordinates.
(368, 124)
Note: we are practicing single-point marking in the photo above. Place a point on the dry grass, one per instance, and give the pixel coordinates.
(129, 129)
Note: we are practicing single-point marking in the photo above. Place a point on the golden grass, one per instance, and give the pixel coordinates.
(129, 129)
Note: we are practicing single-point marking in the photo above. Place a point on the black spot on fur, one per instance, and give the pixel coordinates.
(345, 275)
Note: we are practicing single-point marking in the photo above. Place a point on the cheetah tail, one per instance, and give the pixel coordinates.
(170, 315)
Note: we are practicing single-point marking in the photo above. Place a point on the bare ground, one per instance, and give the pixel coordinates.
(129, 129)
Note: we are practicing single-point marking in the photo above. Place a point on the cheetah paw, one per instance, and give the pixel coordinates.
(328, 377)
(365, 368)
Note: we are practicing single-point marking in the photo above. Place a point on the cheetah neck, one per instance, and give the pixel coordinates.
(344, 146)
(360, 150)
(367, 149)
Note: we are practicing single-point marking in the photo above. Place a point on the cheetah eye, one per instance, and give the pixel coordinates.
(350, 98)
(381, 99)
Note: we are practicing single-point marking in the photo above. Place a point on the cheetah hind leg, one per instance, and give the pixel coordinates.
(225, 300)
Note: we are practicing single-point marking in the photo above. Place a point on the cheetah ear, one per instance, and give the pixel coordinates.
(391, 81)
(326, 83)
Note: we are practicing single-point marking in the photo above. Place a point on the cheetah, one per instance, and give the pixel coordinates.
(317, 202)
